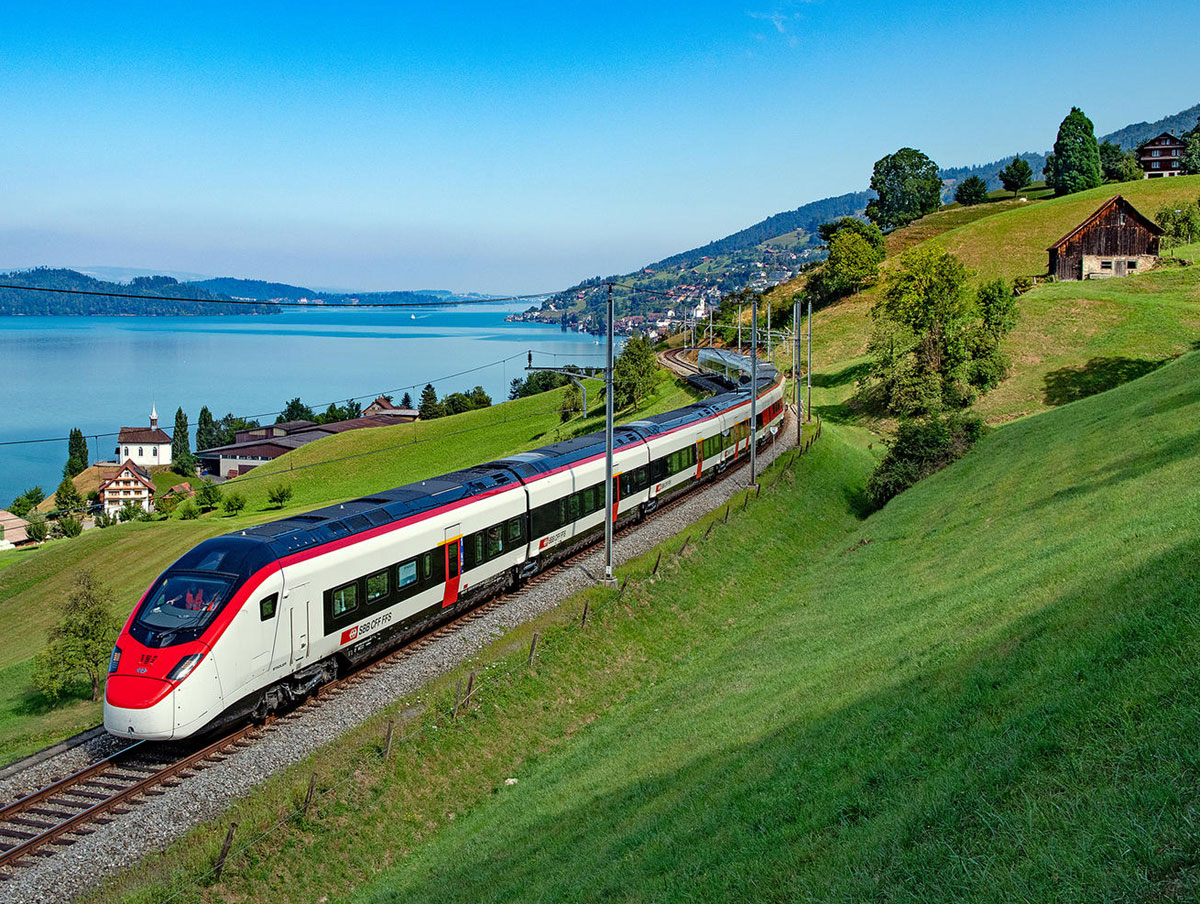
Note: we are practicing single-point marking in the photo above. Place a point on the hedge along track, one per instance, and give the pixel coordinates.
(59, 813)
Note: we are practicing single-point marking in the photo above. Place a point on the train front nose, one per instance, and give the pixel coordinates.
(139, 707)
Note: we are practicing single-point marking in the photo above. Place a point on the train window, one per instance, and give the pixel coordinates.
(573, 507)
(377, 586)
(658, 470)
(495, 541)
(514, 530)
(343, 600)
(406, 574)
(427, 567)
(477, 548)
(267, 606)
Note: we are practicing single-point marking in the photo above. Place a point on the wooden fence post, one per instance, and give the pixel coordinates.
(224, 851)
(532, 648)
(727, 514)
(583, 621)
(621, 592)
(457, 695)
(654, 571)
(470, 690)
(312, 786)
(387, 745)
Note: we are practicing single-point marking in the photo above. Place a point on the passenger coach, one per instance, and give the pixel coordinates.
(245, 623)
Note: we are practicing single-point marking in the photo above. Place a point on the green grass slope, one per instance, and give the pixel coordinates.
(129, 556)
(986, 692)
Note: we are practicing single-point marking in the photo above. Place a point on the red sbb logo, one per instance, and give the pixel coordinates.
(349, 634)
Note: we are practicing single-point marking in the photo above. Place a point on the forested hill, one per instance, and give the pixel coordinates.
(1128, 137)
(176, 295)
(273, 291)
(806, 218)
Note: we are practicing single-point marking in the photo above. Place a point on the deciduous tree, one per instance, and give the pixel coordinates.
(81, 641)
(908, 187)
(1117, 165)
(279, 495)
(208, 496)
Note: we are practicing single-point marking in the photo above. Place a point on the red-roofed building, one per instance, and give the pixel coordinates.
(1114, 241)
(131, 483)
(383, 407)
(144, 446)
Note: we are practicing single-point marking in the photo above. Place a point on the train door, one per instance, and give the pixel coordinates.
(699, 458)
(261, 615)
(453, 553)
(298, 619)
(616, 495)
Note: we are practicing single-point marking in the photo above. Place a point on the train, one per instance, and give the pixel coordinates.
(245, 624)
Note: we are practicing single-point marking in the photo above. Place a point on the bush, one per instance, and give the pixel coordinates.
(208, 497)
(70, 527)
(104, 519)
(188, 511)
(971, 191)
(233, 503)
(278, 496)
(36, 530)
(131, 511)
(919, 449)
(1022, 284)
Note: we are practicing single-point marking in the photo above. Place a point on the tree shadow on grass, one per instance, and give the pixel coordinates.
(841, 377)
(1069, 384)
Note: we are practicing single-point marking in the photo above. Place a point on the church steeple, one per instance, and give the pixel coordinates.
(153, 417)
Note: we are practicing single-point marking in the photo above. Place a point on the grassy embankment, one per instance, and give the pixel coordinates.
(1072, 338)
(986, 691)
(129, 556)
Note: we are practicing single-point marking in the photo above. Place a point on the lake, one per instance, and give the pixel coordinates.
(103, 373)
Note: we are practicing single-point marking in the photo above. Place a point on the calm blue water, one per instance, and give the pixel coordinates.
(102, 373)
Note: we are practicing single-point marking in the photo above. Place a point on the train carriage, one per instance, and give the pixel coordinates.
(245, 623)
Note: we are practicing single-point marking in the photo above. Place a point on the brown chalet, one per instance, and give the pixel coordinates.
(1162, 156)
(1113, 241)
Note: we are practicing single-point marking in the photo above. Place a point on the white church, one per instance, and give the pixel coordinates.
(144, 446)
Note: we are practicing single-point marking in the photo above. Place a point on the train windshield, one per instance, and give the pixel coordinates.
(179, 607)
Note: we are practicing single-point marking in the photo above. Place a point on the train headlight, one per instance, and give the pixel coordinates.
(114, 660)
(185, 667)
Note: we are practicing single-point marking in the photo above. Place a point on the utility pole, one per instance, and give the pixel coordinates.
(754, 398)
(710, 328)
(608, 448)
(739, 329)
(769, 358)
(808, 407)
(796, 371)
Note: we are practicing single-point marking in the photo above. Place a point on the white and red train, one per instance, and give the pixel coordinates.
(246, 622)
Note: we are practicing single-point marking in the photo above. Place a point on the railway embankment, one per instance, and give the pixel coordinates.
(985, 691)
(400, 689)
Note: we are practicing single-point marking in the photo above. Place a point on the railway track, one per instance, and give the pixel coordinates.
(60, 813)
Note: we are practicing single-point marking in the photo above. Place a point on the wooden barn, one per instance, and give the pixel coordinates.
(1113, 241)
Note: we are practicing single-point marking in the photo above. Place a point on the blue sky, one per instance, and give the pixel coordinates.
(517, 147)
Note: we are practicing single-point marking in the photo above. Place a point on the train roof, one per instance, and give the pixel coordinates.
(297, 532)
(567, 452)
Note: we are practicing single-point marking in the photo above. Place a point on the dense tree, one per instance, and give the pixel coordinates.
(228, 427)
(406, 401)
(1076, 155)
(971, 191)
(1189, 163)
(852, 263)
(1117, 165)
(1180, 222)
(77, 452)
(920, 448)
(295, 410)
(635, 372)
(537, 382)
(68, 526)
(208, 496)
(67, 498)
(182, 460)
(27, 501)
(572, 403)
(908, 187)
(1050, 171)
(132, 511)
(1016, 176)
(933, 344)
(206, 431)
(81, 640)
(430, 408)
(867, 230)
(35, 529)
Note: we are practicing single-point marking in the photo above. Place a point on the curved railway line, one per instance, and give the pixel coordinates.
(60, 813)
